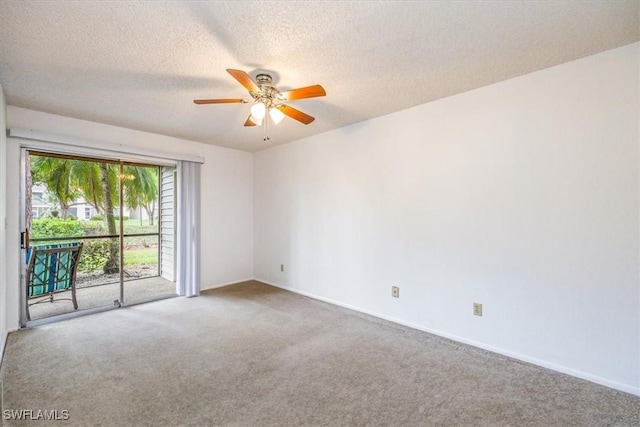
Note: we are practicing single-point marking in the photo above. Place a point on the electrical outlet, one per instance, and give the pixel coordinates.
(477, 309)
(395, 292)
(281, 267)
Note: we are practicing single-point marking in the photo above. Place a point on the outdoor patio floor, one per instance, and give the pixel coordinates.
(103, 295)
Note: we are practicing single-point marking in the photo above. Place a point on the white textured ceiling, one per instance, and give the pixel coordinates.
(140, 64)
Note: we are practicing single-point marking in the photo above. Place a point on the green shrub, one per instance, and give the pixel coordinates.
(97, 218)
(95, 254)
(91, 228)
(55, 227)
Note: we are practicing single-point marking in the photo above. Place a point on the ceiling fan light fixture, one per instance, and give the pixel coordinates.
(276, 115)
(256, 121)
(258, 111)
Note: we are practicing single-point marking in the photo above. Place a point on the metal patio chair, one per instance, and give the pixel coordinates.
(51, 270)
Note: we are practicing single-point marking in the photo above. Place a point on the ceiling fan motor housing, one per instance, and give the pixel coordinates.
(268, 93)
(263, 79)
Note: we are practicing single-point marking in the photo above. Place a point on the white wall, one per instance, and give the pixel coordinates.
(3, 231)
(523, 196)
(226, 197)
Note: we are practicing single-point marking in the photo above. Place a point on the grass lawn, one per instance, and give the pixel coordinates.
(133, 226)
(144, 256)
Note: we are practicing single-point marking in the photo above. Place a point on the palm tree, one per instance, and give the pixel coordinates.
(112, 265)
(55, 174)
(70, 179)
(141, 188)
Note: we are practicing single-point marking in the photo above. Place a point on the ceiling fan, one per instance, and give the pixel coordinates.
(269, 102)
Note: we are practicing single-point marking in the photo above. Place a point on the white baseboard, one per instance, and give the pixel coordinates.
(222, 285)
(552, 366)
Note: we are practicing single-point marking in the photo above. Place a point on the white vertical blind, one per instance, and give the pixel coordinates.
(188, 244)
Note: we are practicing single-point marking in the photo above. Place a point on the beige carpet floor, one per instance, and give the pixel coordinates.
(254, 355)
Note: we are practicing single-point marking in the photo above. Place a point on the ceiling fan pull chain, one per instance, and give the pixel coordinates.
(266, 126)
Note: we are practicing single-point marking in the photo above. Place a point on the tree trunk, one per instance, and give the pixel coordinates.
(113, 262)
(150, 212)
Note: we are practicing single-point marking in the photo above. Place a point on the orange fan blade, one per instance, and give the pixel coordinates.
(249, 122)
(218, 101)
(295, 114)
(244, 79)
(304, 92)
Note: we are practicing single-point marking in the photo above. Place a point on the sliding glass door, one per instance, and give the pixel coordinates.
(93, 234)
